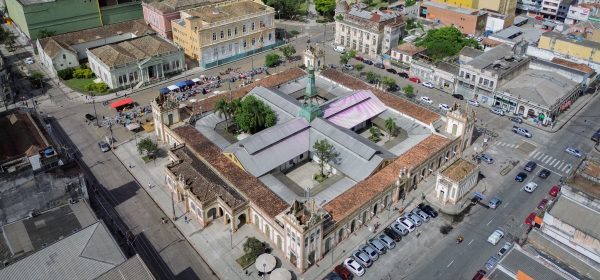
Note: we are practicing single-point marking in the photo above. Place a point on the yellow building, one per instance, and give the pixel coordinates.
(505, 7)
(225, 31)
(471, 4)
(571, 46)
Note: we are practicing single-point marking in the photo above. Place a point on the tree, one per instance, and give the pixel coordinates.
(344, 59)
(390, 127)
(409, 91)
(287, 9)
(288, 51)
(46, 33)
(351, 54)
(359, 67)
(223, 109)
(444, 42)
(272, 59)
(372, 78)
(325, 7)
(389, 82)
(36, 78)
(146, 147)
(375, 134)
(325, 152)
(294, 32)
(409, 3)
(253, 246)
(253, 115)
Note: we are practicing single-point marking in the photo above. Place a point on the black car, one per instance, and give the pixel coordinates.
(428, 209)
(521, 177)
(89, 117)
(379, 65)
(458, 96)
(530, 166)
(393, 88)
(393, 234)
(545, 173)
(367, 62)
(391, 70)
(516, 119)
(403, 75)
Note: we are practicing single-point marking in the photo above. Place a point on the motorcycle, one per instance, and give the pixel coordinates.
(459, 239)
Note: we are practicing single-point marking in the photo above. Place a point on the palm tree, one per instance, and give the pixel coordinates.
(390, 126)
(223, 109)
(259, 116)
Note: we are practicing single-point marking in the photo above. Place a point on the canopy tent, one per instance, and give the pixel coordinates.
(196, 80)
(281, 274)
(121, 103)
(133, 126)
(173, 87)
(164, 90)
(265, 263)
(189, 83)
(181, 84)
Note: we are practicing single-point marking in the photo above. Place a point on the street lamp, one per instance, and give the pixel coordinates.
(94, 104)
(264, 270)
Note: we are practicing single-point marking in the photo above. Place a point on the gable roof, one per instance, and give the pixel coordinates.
(132, 50)
(353, 109)
(169, 6)
(409, 49)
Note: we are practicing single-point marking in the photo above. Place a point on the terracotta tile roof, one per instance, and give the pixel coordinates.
(578, 66)
(490, 42)
(228, 10)
(409, 49)
(169, 6)
(354, 198)
(404, 106)
(133, 50)
(248, 185)
(459, 170)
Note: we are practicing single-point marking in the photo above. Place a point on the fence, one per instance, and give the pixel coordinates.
(236, 57)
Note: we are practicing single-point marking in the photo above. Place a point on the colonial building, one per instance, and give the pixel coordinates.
(159, 14)
(314, 56)
(406, 52)
(252, 181)
(442, 74)
(370, 33)
(455, 181)
(136, 61)
(225, 31)
(467, 20)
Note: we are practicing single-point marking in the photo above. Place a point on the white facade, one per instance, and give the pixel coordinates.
(577, 14)
(495, 22)
(450, 191)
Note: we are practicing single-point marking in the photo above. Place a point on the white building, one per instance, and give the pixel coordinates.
(577, 14)
(454, 182)
(368, 32)
(135, 62)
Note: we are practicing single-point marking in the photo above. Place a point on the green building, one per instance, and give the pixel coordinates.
(61, 16)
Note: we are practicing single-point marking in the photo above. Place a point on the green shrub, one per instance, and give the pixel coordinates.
(66, 74)
(101, 87)
(83, 73)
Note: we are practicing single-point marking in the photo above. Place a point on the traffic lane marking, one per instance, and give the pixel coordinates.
(450, 264)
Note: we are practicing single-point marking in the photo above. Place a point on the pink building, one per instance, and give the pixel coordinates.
(158, 14)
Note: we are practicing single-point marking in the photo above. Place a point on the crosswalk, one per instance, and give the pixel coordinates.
(503, 144)
(549, 161)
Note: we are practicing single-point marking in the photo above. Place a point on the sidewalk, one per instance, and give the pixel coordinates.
(217, 246)
(564, 118)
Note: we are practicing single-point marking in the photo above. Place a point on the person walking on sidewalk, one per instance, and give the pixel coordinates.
(149, 185)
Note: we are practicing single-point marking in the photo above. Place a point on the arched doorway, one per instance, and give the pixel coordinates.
(212, 213)
(241, 220)
(267, 231)
(375, 209)
(439, 162)
(352, 226)
(227, 219)
(521, 110)
(386, 200)
(340, 234)
(530, 113)
(364, 217)
(327, 245)
(220, 211)
(279, 243)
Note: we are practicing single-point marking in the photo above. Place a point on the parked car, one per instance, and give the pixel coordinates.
(414, 219)
(343, 272)
(497, 111)
(521, 177)
(574, 152)
(444, 107)
(427, 85)
(377, 245)
(545, 173)
(515, 119)
(29, 60)
(596, 136)
(89, 117)
(393, 234)
(428, 209)
(554, 191)
(332, 276)
(505, 248)
(458, 96)
(530, 219)
(415, 80)
(486, 158)
(348, 67)
(362, 258)
(340, 49)
(372, 253)
(479, 275)
(494, 203)
(387, 241)
(424, 216)
(530, 166)
(521, 131)
(379, 65)
(530, 187)
(354, 267)
(407, 223)
(474, 103)
(359, 58)
(367, 62)
(104, 147)
(403, 75)
(495, 236)
(491, 262)
(400, 228)
(391, 70)
(543, 203)
(426, 99)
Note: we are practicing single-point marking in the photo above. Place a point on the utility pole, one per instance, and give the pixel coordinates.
(94, 104)
(173, 205)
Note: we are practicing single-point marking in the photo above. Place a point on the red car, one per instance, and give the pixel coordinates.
(542, 204)
(343, 272)
(415, 80)
(359, 58)
(530, 219)
(554, 191)
(479, 275)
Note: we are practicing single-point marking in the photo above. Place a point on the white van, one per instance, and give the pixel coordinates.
(340, 49)
(530, 187)
(495, 237)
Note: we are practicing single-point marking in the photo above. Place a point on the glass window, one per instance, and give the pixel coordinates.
(222, 34)
(244, 43)
(229, 32)
(252, 26)
(214, 36)
(270, 36)
(244, 28)
(253, 41)
(235, 31)
(491, 83)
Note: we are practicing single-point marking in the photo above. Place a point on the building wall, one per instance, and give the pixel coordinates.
(569, 48)
(363, 41)
(471, 4)
(506, 7)
(64, 59)
(121, 13)
(158, 21)
(471, 24)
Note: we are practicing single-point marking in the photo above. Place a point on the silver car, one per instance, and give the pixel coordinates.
(377, 245)
(414, 218)
(421, 214)
(387, 241)
(362, 258)
(372, 253)
(399, 228)
(406, 223)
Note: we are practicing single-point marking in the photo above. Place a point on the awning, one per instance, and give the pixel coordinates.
(173, 87)
(189, 83)
(121, 103)
(196, 80)
(133, 126)
(181, 84)
(164, 90)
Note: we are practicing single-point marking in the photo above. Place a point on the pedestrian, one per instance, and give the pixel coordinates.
(246, 271)
(149, 185)
(130, 165)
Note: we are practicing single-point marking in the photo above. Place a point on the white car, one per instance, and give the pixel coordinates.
(406, 223)
(427, 84)
(354, 267)
(474, 103)
(497, 111)
(495, 237)
(574, 152)
(444, 107)
(29, 60)
(426, 99)
(340, 49)
(530, 187)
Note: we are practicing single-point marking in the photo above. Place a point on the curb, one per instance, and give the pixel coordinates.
(552, 130)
